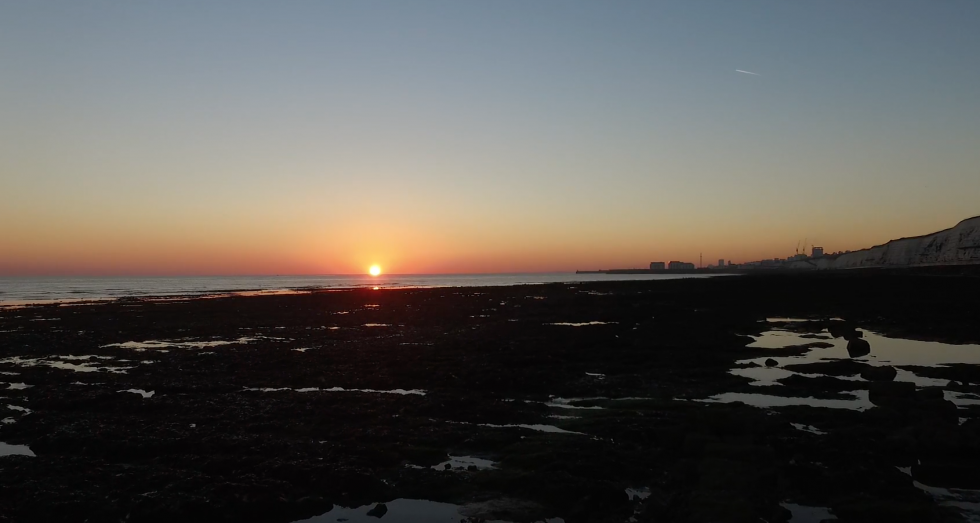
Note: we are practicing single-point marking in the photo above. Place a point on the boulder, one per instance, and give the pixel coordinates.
(771, 362)
(884, 373)
(857, 347)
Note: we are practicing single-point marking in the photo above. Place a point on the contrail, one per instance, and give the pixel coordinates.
(747, 72)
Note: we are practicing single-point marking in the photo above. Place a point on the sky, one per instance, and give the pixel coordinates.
(308, 137)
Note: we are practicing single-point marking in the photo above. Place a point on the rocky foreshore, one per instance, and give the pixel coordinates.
(581, 402)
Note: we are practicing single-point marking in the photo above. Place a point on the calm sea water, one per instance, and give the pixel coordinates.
(41, 289)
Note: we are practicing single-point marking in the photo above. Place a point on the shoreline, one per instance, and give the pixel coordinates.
(259, 291)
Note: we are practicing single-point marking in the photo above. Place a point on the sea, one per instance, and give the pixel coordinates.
(47, 289)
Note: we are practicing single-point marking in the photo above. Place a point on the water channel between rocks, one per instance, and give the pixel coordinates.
(823, 348)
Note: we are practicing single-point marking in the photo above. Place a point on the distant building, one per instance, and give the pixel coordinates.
(678, 265)
(817, 252)
(721, 263)
(657, 266)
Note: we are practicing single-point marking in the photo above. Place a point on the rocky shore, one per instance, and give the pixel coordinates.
(583, 402)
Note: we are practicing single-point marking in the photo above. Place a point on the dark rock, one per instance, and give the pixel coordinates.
(892, 394)
(857, 347)
(472, 468)
(771, 362)
(930, 393)
(830, 368)
(378, 511)
(885, 373)
(448, 466)
(839, 329)
(932, 404)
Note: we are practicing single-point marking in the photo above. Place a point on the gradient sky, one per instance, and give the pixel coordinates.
(239, 137)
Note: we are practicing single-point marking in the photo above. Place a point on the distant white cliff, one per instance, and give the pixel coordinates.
(958, 245)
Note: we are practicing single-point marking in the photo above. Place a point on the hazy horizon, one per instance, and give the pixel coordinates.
(296, 138)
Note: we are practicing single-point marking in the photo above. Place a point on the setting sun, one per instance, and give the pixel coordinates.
(375, 270)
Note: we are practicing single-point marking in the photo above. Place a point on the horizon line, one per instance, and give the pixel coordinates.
(270, 275)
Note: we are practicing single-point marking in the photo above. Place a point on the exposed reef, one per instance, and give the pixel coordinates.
(585, 402)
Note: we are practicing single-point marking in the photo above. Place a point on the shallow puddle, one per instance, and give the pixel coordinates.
(402, 392)
(540, 428)
(567, 403)
(961, 399)
(141, 392)
(808, 428)
(15, 450)
(884, 351)
(88, 363)
(638, 493)
(583, 324)
(765, 401)
(464, 463)
(804, 514)
(407, 511)
(179, 344)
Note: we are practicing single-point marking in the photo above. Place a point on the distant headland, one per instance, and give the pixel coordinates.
(958, 245)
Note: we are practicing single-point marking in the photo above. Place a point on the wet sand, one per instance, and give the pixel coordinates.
(584, 402)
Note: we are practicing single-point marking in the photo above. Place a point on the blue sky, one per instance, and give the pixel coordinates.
(460, 136)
